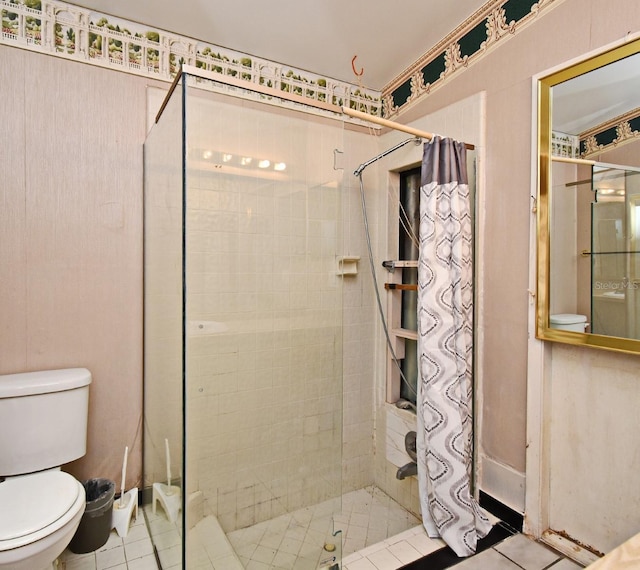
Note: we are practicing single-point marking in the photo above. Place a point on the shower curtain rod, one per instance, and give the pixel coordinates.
(393, 125)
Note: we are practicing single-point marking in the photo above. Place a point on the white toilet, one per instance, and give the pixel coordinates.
(43, 425)
(568, 322)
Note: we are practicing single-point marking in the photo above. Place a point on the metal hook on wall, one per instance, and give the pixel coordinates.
(353, 66)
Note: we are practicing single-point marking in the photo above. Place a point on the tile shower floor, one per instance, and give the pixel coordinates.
(294, 541)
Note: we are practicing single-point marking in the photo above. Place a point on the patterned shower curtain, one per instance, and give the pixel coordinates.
(445, 313)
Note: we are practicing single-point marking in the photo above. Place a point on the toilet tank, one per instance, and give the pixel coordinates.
(43, 419)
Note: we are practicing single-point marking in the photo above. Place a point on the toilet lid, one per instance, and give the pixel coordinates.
(567, 319)
(32, 502)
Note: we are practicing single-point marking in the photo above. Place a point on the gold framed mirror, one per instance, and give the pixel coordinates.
(588, 203)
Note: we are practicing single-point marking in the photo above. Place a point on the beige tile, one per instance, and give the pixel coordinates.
(81, 563)
(566, 564)
(527, 553)
(144, 563)
(404, 552)
(138, 549)
(109, 558)
(362, 564)
(385, 560)
(487, 559)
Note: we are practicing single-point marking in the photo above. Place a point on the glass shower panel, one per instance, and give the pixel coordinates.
(163, 346)
(263, 322)
(609, 271)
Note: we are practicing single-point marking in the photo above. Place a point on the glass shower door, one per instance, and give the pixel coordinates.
(263, 325)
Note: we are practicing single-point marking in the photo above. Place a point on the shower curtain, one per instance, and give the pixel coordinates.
(445, 310)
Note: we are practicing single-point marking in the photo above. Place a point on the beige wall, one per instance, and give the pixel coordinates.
(71, 244)
(572, 28)
(594, 400)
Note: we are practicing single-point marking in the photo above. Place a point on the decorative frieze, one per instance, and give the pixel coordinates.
(64, 30)
(565, 145)
(495, 21)
(619, 130)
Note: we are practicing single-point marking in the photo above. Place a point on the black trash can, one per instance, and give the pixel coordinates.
(95, 525)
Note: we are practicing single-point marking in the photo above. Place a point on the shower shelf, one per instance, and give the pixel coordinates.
(405, 333)
(400, 286)
(348, 265)
(400, 263)
(399, 336)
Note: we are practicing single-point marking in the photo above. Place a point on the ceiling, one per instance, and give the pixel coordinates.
(321, 37)
(596, 97)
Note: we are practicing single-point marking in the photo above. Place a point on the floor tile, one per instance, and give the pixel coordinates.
(109, 558)
(566, 564)
(385, 560)
(404, 552)
(527, 553)
(144, 563)
(84, 563)
(489, 559)
(362, 564)
(138, 549)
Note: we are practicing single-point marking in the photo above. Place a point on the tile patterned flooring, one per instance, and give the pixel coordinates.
(135, 551)
(368, 517)
(377, 534)
(294, 541)
(516, 552)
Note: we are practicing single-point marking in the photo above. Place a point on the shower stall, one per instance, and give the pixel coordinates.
(243, 331)
(247, 404)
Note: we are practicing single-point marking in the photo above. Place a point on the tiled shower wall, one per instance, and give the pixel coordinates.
(254, 359)
(360, 315)
(212, 404)
(264, 310)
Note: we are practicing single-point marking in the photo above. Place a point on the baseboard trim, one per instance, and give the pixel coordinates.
(498, 509)
(569, 548)
(502, 482)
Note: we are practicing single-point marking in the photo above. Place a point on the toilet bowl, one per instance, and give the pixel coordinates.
(43, 425)
(568, 322)
(47, 509)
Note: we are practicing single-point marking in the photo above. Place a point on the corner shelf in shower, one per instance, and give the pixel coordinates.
(404, 333)
(397, 334)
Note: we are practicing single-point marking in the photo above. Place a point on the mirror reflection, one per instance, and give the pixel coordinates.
(589, 221)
